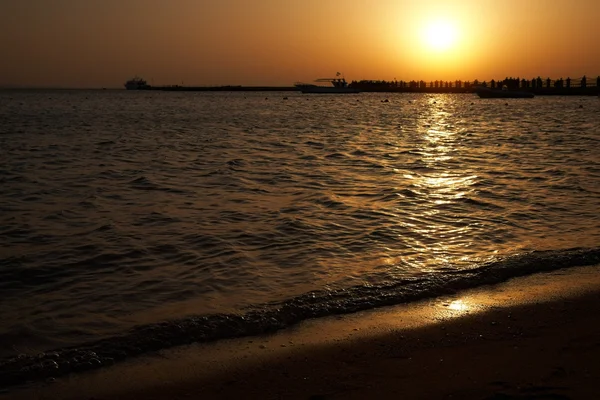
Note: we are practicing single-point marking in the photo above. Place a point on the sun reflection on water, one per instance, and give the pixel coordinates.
(442, 227)
(458, 305)
(448, 309)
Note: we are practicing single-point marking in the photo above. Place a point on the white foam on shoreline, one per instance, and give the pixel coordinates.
(204, 360)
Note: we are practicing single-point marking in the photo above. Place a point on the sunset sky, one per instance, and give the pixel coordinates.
(101, 43)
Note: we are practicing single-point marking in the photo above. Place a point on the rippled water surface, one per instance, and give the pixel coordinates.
(124, 208)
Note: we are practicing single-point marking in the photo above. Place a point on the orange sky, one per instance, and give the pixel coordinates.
(101, 43)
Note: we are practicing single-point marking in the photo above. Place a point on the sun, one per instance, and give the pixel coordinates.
(440, 35)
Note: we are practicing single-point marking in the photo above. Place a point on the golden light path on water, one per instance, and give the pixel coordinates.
(443, 183)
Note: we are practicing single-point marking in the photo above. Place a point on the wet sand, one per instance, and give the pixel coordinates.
(531, 338)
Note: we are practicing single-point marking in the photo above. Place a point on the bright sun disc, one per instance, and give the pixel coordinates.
(440, 35)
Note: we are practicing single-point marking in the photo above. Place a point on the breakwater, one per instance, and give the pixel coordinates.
(227, 88)
(582, 86)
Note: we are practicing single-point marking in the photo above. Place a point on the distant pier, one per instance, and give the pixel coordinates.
(581, 86)
(228, 88)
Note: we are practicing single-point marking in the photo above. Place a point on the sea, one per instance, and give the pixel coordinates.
(132, 221)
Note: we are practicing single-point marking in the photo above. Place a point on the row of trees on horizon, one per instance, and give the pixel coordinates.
(512, 83)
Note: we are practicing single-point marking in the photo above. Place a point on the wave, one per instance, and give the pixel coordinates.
(274, 316)
(143, 183)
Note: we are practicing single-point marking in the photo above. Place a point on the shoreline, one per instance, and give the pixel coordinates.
(311, 306)
(532, 336)
(591, 91)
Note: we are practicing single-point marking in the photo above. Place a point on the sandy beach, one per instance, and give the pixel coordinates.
(531, 338)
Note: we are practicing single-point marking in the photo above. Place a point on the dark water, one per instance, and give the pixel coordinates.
(123, 209)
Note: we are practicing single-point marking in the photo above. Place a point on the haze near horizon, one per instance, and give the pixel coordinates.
(101, 43)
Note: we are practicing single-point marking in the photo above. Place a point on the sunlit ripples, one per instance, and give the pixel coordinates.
(126, 207)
